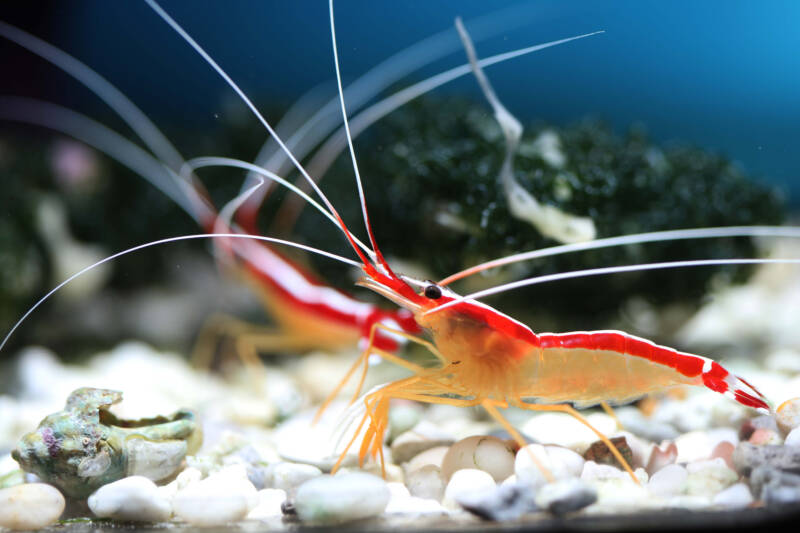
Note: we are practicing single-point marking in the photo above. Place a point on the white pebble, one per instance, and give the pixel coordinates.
(561, 462)
(737, 495)
(289, 476)
(564, 430)
(426, 482)
(434, 456)
(709, 477)
(269, 504)
(669, 481)
(466, 481)
(217, 500)
(598, 472)
(401, 502)
(31, 506)
(793, 438)
(619, 493)
(490, 454)
(341, 498)
(693, 446)
(134, 498)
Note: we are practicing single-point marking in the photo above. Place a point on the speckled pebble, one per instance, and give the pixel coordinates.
(735, 496)
(134, 498)
(30, 506)
(509, 501)
(773, 486)
(707, 478)
(561, 462)
(490, 454)
(565, 496)
(787, 415)
(426, 482)
(747, 457)
(465, 482)
(334, 499)
(669, 481)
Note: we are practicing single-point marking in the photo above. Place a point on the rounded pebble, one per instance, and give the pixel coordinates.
(217, 500)
(289, 476)
(564, 430)
(465, 482)
(735, 496)
(134, 498)
(30, 506)
(707, 478)
(426, 482)
(793, 438)
(669, 481)
(788, 415)
(269, 504)
(561, 462)
(434, 456)
(341, 498)
(490, 454)
(424, 436)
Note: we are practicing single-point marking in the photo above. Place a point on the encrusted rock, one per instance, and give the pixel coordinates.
(84, 447)
(601, 454)
(787, 415)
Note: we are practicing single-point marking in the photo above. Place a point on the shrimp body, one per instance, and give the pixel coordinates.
(505, 360)
(305, 307)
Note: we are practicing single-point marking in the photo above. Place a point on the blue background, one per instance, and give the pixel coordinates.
(721, 74)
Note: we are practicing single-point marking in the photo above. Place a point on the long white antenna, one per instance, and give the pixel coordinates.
(199, 49)
(166, 241)
(349, 137)
(609, 270)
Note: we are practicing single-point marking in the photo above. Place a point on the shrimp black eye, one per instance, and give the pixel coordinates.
(433, 292)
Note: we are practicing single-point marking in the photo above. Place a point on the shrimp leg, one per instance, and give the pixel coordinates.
(364, 359)
(564, 408)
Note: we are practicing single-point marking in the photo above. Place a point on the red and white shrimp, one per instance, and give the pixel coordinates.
(485, 357)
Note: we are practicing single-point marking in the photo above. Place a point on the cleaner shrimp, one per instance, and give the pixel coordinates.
(488, 358)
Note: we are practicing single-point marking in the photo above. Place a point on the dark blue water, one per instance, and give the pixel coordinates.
(721, 74)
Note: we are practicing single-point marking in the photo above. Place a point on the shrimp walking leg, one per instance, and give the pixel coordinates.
(490, 406)
(571, 411)
(249, 340)
(364, 359)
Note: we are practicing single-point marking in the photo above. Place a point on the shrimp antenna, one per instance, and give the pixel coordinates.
(134, 117)
(610, 270)
(361, 197)
(167, 241)
(625, 240)
(199, 49)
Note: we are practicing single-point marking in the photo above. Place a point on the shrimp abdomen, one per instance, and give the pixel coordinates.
(589, 367)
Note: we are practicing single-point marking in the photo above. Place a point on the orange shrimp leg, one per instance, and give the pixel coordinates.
(489, 405)
(610, 412)
(364, 360)
(571, 411)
